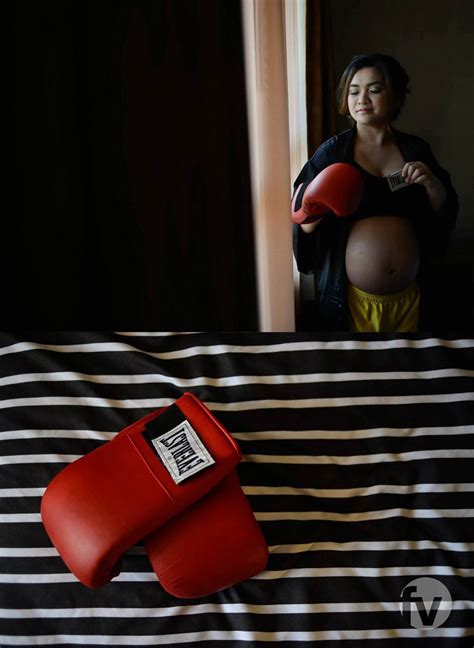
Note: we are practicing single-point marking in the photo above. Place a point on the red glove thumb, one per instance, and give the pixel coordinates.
(214, 544)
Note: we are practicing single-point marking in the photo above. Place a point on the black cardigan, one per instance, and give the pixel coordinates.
(322, 253)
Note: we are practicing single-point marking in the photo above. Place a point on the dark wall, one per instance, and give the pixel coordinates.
(132, 204)
(433, 40)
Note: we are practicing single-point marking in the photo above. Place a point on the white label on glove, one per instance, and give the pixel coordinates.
(182, 452)
(396, 181)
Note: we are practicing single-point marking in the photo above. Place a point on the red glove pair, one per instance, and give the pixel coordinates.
(169, 479)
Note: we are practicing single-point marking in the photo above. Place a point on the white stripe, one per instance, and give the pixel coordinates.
(339, 345)
(364, 491)
(108, 379)
(335, 435)
(23, 518)
(363, 515)
(269, 491)
(340, 435)
(157, 333)
(93, 435)
(232, 635)
(279, 459)
(398, 545)
(323, 572)
(51, 552)
(26, 459)
(230, 381)
(92, 347)
(22, 492)
(85, 401)
(28, 552)
(342, 460)
(154, 403)
(19, 518)
(215, 608)
(340, 402)
(366, 572)
(138, 577)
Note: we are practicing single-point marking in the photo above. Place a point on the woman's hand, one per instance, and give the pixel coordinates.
(419, 173)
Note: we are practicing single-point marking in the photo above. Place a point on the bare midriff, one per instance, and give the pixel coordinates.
(382, 254)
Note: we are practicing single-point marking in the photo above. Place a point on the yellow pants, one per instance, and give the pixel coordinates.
(393, 313)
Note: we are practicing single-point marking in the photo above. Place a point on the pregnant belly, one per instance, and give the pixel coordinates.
(382, 254)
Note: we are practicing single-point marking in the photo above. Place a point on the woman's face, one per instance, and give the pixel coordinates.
(370, 100)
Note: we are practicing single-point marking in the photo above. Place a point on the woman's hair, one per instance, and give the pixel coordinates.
(394, 75)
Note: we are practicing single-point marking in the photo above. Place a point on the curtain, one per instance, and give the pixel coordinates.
(133, 193)
(266, 49)
(320, 81)
(320, 115)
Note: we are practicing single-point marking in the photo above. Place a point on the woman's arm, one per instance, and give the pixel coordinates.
(439, 189)
(419, 173)
(437, 194)
(441, 200)
(307, 248)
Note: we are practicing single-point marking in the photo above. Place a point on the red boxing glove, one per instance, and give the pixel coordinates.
(105, 502)
(338, 189)
(212, 545)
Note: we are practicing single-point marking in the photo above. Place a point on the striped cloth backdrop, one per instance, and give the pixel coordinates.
(358, 463)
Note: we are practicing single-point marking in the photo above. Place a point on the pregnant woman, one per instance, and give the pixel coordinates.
(369, 267)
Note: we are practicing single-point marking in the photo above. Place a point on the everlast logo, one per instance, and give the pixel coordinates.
(182, 452)
(396, 181)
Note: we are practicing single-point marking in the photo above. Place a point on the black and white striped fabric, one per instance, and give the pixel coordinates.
(358, 464)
